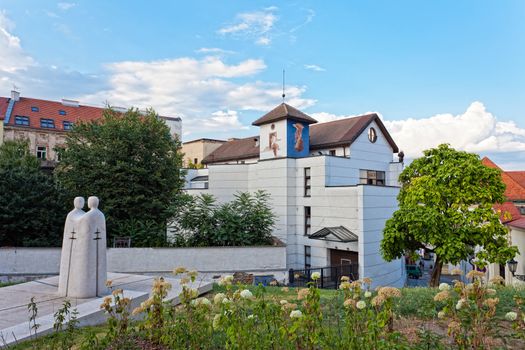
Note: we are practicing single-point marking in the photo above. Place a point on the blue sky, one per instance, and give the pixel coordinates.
(437, 71)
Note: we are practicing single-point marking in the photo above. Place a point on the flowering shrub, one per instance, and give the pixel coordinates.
(469, 310)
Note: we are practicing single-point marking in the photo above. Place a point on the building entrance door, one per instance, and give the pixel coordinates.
(343, 257)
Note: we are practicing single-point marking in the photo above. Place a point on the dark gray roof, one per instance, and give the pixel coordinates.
(335, 234)
(284, 111)
(200, 178)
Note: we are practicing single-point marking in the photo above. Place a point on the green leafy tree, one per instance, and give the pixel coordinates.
(445, 204)
(247, 220)
(32, 212)
(131, 162)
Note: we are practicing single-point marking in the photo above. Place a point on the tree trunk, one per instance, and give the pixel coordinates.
(436, 273)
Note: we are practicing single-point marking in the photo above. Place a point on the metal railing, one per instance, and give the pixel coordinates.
(330, 275)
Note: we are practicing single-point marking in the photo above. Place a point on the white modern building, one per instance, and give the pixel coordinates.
(333, 185)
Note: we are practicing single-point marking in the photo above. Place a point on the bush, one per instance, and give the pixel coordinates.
(247, 220)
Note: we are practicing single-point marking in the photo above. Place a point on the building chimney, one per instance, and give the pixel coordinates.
(70, 103)
(15, 95)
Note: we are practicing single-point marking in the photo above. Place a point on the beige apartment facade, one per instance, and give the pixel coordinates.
(195, 151)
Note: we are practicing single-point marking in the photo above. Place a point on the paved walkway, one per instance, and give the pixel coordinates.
(14, 316)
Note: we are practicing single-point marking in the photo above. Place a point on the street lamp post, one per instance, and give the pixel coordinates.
(513, 266)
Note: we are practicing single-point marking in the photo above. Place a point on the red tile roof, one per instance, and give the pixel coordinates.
(520, 223)
(50, 110)
(341, 132)
(514, 180)
(509, 212)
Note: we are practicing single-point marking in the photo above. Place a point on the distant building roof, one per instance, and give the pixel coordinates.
(341, 132)
(36, 109)
(204, 140)
(509, 212)
(65, 111)
(284, 111)
(236, 149)
(520, 223)
(514, 181)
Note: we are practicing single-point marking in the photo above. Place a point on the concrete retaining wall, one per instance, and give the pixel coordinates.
(46, 261)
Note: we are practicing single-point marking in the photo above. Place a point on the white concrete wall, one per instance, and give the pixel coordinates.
(46, 261)
(378, 203)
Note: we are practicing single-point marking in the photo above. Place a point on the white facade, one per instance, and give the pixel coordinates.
(337, 198)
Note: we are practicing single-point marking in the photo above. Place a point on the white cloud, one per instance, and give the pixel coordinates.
(224, 121)
(12, 56)
(194, 89)
(214, 51)
(255, 26)
(475, 130)
(314, 67)
(64, 6)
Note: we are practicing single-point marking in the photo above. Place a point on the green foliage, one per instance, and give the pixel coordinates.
(445, 203)
(130, 161)
(32, 205)
(247, 220)
(192, 165)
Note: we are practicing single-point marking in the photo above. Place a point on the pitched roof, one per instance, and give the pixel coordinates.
(284, 111)
(508, 212)
(335, 234)
(235, 150)
(50, 110)
(341, 132)
(520, 223)
(514, 181)
(345, 131)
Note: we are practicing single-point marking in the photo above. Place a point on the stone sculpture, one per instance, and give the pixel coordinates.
(83, 270)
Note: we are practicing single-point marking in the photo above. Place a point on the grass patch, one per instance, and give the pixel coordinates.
(7, 284)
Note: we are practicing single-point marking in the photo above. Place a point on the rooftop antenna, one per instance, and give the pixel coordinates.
(15, 88)
(283, 95)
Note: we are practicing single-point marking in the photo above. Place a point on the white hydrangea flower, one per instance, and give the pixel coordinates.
(361, 304)
(444, 286)
(460, 304)
(216, 320)
(511, 316)
(296, 314)
(226, 301)
(368, 294)
(217, 299)
(246, 294)
(283, 302)
(316, 275)
(441, 314)
(250, 317)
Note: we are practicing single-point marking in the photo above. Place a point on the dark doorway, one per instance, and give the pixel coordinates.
(343, 257)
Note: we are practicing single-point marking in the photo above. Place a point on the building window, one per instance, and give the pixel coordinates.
(20, 120)
(372, 177)
(307, 257)
(62, 112)
(195, 161)
(307, 220)
(34, 109)
(47, 123)
(331, 152)
(67, 125)
(307, 182)
(41, 152)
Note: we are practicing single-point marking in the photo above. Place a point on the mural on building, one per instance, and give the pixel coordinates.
(298, 139)
(272, 144)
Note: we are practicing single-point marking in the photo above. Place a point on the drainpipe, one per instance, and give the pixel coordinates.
(15, 96)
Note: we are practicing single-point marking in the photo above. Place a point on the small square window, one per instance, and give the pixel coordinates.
(35, 109)
(21, 120)
(332, 152)
(62, 112)
(41, 152)
(67, 125)
(47, 123)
